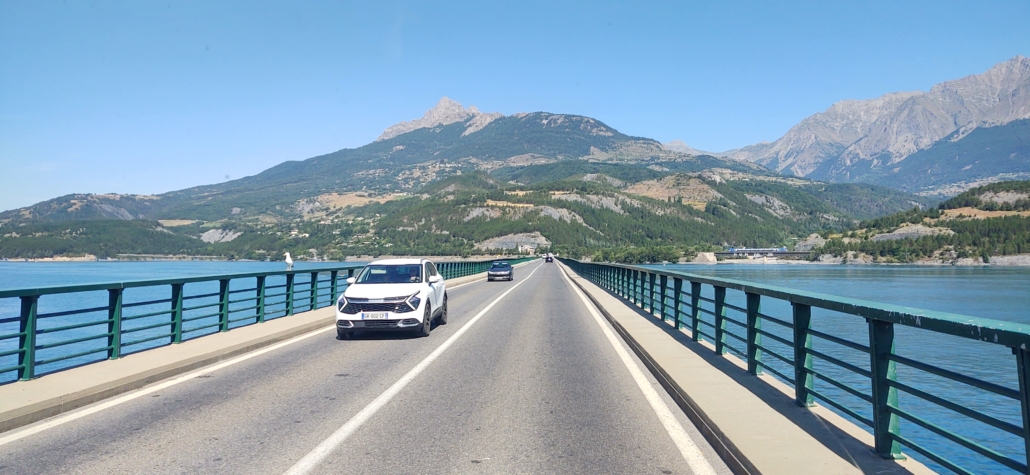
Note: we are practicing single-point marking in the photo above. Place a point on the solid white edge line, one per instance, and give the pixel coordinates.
(699, 465)
(78, 414)
(319, 453)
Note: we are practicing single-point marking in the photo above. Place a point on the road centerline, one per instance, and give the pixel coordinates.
(319, 453)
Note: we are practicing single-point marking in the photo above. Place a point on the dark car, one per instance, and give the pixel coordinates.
(500, 271)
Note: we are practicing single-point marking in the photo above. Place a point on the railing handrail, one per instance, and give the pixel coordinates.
(64, 289)
(1010, 334)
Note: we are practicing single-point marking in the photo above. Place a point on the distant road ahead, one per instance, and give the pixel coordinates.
(533, 385)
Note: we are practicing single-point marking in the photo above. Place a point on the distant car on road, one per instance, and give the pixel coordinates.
(500, 270)
(393, 295)
(549, 257)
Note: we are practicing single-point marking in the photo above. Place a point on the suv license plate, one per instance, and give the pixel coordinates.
(375, 316)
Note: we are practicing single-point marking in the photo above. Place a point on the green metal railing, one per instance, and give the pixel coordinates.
(790, 348)
(61, 327)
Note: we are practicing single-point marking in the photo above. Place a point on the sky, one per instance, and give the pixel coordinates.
(148, 97)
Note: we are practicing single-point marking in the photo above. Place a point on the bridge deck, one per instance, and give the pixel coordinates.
(529, 385)
(533, 387)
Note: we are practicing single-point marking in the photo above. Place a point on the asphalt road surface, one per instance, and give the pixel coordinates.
(522, 380)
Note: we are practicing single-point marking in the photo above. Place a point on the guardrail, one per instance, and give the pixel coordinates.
(856, 374)
(58, 328)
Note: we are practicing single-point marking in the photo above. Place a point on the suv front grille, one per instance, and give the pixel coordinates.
(358, 307)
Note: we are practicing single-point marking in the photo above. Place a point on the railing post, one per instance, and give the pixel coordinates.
(333, 277)
(754, 339)
(638, 288)
(289, 294)
(260, 299)
(695, 311)
(677, 297)
(114, 323)
(883, 369)
(622, 282)
(177, 313)
(314, 290)
(650, 292)
(720, 320)
(803, 379)
(1023, 368)
(27, 340)
(663, 284)
(223, 305)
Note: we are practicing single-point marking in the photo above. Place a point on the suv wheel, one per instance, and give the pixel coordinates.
(427, 322)
(443, 315)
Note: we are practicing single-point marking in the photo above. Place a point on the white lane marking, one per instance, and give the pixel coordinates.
(319, 453)
(71, 416)
(699, 465)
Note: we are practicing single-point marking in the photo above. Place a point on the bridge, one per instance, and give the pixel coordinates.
(572, 368)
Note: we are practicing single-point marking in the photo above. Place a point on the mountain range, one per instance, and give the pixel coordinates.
(572, 180)
(869, 140)
(458, 181)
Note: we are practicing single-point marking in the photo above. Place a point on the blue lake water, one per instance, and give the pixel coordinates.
(990, 292)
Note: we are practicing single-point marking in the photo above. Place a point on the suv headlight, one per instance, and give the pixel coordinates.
(414, 300)
(342, 302)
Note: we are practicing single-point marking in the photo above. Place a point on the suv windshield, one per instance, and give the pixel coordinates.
(500, 265)
(398, 274)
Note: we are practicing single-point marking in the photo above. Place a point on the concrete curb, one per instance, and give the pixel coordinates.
(26, 402)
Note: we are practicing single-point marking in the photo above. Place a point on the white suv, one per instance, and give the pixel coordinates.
(392, 295)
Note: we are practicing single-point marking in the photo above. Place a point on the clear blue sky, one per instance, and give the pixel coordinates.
(148, 97)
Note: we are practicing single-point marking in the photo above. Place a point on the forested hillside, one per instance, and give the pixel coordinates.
(979, 224)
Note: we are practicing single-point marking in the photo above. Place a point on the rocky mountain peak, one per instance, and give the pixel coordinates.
(883, 131)
(446, 111)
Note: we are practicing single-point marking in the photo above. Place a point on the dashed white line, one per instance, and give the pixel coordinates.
(319, 453)
(699, 465)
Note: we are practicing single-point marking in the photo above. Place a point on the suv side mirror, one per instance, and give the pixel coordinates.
(433, 279)
(351, 280)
